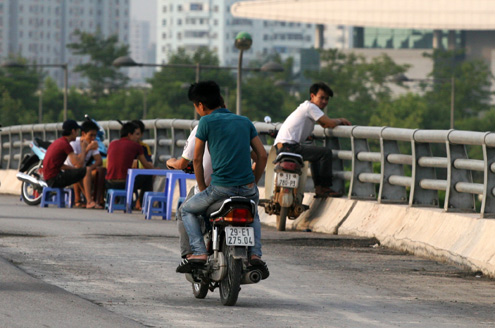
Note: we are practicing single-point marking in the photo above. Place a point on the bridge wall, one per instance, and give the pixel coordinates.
(460, 238)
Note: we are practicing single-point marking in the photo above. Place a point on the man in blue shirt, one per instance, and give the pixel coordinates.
(230, 138)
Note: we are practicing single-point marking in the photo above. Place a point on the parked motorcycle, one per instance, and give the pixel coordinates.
(285, 179)
(29, 173)
(227, 239)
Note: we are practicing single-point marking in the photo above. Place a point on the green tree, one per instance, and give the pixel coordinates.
(472, 81)
(18, 87)
(168, 96)
(99, 70)
(407, 111)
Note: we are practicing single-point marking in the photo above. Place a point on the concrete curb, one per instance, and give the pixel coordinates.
(459, 238)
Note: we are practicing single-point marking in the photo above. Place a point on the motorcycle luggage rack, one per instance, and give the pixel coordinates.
(292, 156)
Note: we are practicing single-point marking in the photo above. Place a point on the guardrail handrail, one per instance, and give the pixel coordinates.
(374, 162)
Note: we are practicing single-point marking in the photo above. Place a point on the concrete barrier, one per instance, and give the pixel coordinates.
(459, 238)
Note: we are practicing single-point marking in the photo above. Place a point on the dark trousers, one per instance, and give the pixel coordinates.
(67, 177)
(320, 159)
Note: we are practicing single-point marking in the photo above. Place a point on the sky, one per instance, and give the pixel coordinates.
(145, 10)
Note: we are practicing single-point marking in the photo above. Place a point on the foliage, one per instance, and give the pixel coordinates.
(472, 81)
(168, 96)
(407, 111)
(98, 69)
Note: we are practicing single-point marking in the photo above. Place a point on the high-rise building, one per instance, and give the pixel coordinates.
(142, 51)
(40, 30)
(195, 23)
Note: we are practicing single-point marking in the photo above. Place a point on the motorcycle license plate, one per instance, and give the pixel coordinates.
(290, 180)
(239, 236)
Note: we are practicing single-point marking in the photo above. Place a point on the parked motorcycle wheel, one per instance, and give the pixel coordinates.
(231, 284)
(200, 289)
(31, 194)
(282, 218)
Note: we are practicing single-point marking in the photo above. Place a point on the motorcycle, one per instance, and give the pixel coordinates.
(285, 179)
(29, 172)
(227, 239)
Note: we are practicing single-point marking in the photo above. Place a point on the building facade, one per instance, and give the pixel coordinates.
(40, 30)
(209, 23)
(142, 50)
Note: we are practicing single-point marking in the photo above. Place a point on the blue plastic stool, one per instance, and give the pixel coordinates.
(57, 196)
(161, 210)
(115, 200)
(148, 194)
(172, 178)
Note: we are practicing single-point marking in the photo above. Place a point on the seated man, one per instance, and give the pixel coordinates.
(299, 126)
(55, 172)
(229, 138)
(88, 135)
(120, 155)
(180, 164)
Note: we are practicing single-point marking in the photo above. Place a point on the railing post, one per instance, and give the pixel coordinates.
(454, 200)
(419, 196)
(389, 193)
(358, 189)
(338, 184)
(488, 201)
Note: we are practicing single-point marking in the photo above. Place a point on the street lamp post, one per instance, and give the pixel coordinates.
(126, 61)
(403, 78)
(243, 41)
(13, 64)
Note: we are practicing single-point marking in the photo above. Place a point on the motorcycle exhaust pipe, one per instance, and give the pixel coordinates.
(32, 180)
(251, 277)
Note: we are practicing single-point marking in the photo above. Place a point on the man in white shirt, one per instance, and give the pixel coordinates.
(180, 164)
(88, 136)
(299, 126)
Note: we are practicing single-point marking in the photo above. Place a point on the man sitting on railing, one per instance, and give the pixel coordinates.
(299, 126)
(55, 172)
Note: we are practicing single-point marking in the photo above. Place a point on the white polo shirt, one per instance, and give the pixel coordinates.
(300, 124)
(188, 154)
(76, 146)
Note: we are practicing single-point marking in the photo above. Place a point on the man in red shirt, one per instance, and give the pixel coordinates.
(120, 155)
(55, 172)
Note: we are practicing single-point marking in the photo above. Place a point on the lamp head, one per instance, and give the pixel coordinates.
(124, 61)
(243, 41)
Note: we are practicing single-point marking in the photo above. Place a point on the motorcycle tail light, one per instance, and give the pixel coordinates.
(289, 166)
(239, 215)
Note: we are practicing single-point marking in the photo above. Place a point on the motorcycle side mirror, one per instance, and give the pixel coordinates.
(268, 119)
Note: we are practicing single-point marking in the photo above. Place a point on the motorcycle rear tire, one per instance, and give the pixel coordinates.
(200, 289)
(282, 218)
(230, 286)
(32, 194)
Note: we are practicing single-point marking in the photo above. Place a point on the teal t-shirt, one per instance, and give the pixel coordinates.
(229, 141)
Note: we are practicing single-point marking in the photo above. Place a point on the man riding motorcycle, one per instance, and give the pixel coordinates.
(229, 138)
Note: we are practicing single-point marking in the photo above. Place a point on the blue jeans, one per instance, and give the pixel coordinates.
(198, 204)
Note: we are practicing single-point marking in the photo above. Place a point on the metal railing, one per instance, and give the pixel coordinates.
(389, 165)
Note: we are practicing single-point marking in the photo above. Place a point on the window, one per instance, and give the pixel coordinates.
(196, 7)
(164, 22)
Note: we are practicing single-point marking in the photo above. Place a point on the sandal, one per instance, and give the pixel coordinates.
(80, 205)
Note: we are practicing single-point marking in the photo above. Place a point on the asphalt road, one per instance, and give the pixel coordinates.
(78, 267)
